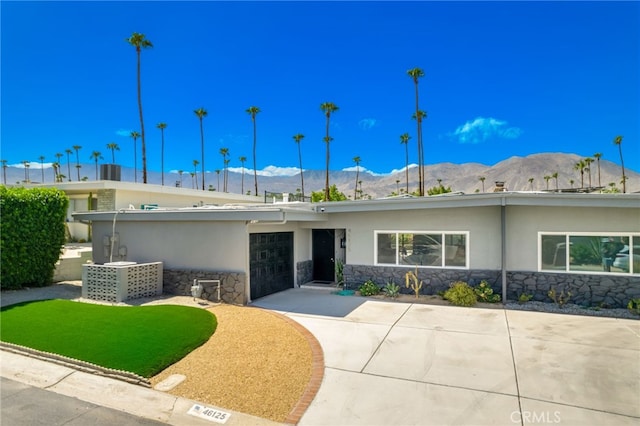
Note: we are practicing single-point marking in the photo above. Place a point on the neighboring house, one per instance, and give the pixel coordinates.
(516, 241)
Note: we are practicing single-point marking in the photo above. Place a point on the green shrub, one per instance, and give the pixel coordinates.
(484, 292)
(461, 294)
(32, 233)
(391, 290)
(524, 297)
(561, 298)
(634, 306)
(369, 288)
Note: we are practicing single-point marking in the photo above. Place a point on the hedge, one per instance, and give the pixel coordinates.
(32, 233)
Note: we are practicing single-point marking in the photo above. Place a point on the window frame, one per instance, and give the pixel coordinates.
(634, 239)
(442, 234)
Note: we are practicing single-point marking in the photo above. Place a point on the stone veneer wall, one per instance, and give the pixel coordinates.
(232, 285)
(106, 199)
(607, 291)
(304, 272)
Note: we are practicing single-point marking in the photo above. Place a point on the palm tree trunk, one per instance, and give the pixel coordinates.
(419, 137)
(202, 151)
(162, 155)
(301, 174)
(406, 164)
(255, 172)
(355, 192)
(326, 180)
(144, 146)
(624, 178)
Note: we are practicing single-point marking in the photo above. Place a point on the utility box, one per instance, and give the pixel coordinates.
(110, 172)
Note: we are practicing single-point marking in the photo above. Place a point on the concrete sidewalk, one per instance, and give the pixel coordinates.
(390, 363)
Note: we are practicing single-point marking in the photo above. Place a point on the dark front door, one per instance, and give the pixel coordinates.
(271, 263)
(323, 254)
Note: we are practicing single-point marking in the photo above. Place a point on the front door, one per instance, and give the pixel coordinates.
(323, 255)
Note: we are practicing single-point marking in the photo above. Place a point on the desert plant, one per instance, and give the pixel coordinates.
(369, 288)
(412, 282)
(484, 292)
(524, 298)
(339, 273)
(634, 306)
(561, 298)
(461, 294)
(391, 290)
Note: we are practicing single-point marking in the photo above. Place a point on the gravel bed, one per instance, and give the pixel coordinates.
(572, 309)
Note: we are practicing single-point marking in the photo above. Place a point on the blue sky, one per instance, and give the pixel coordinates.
(501, 79)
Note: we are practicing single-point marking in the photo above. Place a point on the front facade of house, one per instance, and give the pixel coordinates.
(515, 241)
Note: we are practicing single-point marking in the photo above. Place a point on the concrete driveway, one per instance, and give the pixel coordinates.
(390, 363)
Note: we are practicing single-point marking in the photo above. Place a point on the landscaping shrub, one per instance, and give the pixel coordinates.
(32, 233)
(461, 294)
(484, 292)
(369, 288)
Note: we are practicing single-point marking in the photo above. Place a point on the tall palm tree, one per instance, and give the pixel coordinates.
(78, 167)
(242, 160)
(180, 172)
(252, 111)
(26, 165)
(77, 148)
(580, 166)
(96, 155)
(113, 147)
(201, 113)
(404, 139)
(482, 179)
(135, 135)
(598, 156)
(328, 108)
(588, 161)
(531, 183)
(193, 180)
(139, 41)
(618, 141)
(225, 174)
(555, 176)
(58, 156)
(420, 116)
(4, 171)
(218, 174)
(357, 161)
(68, 152)
(571, 182)
(416, 74)
(162, 126)
(41, 158)
(56, 171)
(547, 178)
(297, 138)
(195, 169)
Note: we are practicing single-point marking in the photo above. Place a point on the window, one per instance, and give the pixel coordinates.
(434, 249)
(612, 253)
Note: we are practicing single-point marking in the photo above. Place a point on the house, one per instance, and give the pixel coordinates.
(517, 241)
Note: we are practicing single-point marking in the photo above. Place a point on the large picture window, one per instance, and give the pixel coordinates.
(434, 249)
(612, 253)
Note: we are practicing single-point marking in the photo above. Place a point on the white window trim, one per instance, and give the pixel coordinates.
(442, 233)
(567, 235)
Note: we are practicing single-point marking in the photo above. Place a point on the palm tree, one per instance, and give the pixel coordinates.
(297, 138)
(41, 158)
(588, 161)
(135, 135)
(4, 171)
(218, 174)
(404, 139)
(69, 152)
(162, 126)
(242, 160)
(618, 141)
(113, 147)
(180, 172)
(415, 74)
(555, 176)
(224, 152)
(26, 165)
(96, 155)
(56, 170)
(357, 161)
(571, 182)
(193, 180)
(598, 156)
(327, 108)
(195, 170)
(531, 183)
(201, 113)
(482, 179)
(580, 166)
(252, 111)
(420, 116)
(138, 41)
(547, 178)
(77, 148)
(78, 167)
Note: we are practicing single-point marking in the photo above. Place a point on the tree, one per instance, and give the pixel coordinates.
(588, 161)
(139, 41)
(328, 108)
(420, 116)
(555, 176)
(180, 172)
(416, 74)
(96, 155)
(77, 148)
(547, 178)
(580, 166)
(242, 160)
(201, 113)
(4, 171)
(598, 156)
(135, 135)
(26, 165)
(404, 139)
(297, 138)
(193, 180)
(252, 111)
(56, 171)
(58, 156)
(531, 183)
(113, 147)
(438, 189)
(357, 161)
(224, 152)
(618, 141)
(162, 126)
(334, 195)
(195, 171)
(218, 174)
(482, 179)
(41, 158)
(69, 152)
(571, 182)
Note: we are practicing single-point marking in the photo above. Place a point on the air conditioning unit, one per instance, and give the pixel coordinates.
(110, 172)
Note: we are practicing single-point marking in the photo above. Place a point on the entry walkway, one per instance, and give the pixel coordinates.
(390, 363)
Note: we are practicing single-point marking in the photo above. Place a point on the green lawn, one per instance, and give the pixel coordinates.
(139, 339)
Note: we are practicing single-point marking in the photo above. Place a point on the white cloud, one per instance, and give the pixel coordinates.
(32, 165)
(123, 132)
(481, 129)
(367, 123)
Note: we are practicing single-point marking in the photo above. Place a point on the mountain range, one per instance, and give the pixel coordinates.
(515, 172)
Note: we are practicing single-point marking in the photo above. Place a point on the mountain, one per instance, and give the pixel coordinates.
(514, 171)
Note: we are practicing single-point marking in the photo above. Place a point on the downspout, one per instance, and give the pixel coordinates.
(503, 245)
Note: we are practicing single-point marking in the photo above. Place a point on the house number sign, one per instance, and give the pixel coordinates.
(209, 413)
